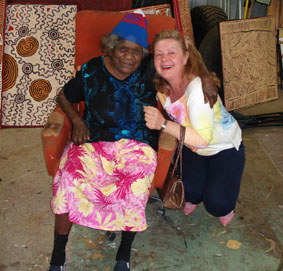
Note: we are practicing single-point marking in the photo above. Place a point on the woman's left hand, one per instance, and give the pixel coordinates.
(210, 90)
(153, 118)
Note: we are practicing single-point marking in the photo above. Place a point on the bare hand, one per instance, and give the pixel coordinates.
(80, 133)
(210, 90)
(153, 118)
(76, 69)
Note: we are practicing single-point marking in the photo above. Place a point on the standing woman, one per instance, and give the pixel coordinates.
(214, 156)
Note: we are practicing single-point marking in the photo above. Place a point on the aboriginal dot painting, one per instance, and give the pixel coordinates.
(38, 60)
(2, 23)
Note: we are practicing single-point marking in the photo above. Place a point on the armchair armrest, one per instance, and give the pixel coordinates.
(166, 148)
(55, 135)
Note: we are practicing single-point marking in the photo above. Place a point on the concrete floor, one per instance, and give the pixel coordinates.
(252, 242)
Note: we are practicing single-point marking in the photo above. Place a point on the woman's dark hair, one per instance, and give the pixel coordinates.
(110, 41)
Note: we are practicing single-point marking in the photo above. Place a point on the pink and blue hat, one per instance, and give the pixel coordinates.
(133, 27)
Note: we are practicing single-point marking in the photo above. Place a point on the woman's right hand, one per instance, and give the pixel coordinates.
(80, 133)
(153, 118)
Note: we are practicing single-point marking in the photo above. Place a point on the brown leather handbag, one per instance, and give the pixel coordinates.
(173, 193)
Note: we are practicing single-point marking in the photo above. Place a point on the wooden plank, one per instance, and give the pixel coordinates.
(274, 10)
(182, 15)
(281, 15)
(250, 9)
(249, 62)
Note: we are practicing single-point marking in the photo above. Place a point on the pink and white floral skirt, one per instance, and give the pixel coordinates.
(105, 185)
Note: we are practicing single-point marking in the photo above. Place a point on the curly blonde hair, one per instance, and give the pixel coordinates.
(191, 67)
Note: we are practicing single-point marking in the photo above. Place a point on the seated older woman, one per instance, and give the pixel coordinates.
(106, 170)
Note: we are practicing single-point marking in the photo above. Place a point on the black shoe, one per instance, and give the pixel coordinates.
(55, 268)
(122, 266)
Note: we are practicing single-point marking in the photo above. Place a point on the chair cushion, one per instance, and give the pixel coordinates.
(91, 25)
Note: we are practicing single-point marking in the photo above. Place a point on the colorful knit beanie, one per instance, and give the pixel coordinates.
(133, 27)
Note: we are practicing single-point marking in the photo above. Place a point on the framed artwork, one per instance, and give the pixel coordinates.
(162, 9)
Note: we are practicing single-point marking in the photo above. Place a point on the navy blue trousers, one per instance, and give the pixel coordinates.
(214, 180)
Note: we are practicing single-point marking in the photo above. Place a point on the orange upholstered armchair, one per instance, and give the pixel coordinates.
(90, 27)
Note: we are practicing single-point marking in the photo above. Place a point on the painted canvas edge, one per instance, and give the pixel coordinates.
(3, 5)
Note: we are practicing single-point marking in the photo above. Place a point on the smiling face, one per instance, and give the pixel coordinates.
(125, 59)
(169, 59)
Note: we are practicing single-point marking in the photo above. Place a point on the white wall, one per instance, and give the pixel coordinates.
(259, 10)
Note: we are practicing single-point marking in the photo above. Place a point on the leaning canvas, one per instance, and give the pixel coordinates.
(249, 62)
(38, 60)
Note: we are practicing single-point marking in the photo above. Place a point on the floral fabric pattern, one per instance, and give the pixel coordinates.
(105, 185)
(177, 111)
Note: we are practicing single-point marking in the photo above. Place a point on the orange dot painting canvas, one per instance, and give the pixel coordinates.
(38, 59)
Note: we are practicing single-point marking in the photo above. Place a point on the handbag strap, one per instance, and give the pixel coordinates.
(179, 151)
